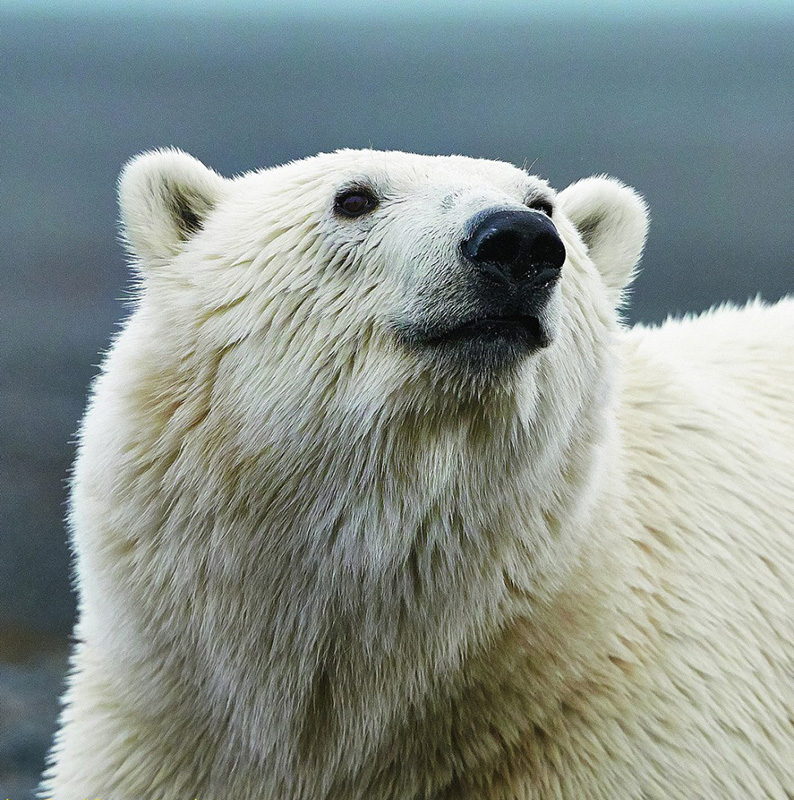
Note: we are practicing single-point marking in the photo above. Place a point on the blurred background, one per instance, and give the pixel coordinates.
(692, 103)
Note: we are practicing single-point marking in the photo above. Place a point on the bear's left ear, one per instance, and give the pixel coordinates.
(612, 220)
(164, 196)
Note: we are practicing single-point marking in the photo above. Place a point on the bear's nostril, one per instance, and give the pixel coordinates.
(548, 250)
(497, 246)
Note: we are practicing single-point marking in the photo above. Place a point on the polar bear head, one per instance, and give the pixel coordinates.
(377, 275)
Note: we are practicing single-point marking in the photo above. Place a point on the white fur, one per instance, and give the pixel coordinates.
(314, 564)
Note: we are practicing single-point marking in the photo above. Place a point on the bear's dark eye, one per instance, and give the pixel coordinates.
(355, 202)
(542, 204)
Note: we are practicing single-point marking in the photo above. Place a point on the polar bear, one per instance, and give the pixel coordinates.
(377, 498)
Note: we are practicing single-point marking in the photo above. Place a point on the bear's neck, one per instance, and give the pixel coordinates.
(386, 571)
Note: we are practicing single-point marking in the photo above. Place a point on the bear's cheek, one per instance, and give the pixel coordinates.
(552, 316)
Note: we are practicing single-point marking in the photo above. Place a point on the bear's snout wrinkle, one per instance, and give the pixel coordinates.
(515, 246)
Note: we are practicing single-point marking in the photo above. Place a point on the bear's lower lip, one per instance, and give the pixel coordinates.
(523, 330)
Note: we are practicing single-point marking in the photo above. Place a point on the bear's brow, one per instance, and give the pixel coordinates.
(365, 182)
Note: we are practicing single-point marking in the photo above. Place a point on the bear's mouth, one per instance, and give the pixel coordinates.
(520, 332)
(498, 330)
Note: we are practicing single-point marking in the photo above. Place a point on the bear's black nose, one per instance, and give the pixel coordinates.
(515, 245)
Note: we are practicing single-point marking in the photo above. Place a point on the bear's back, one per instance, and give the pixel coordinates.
(708, 422)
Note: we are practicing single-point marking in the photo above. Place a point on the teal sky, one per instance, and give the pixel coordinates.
(412, 8)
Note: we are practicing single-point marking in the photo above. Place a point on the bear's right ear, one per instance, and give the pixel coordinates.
(164, 196)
